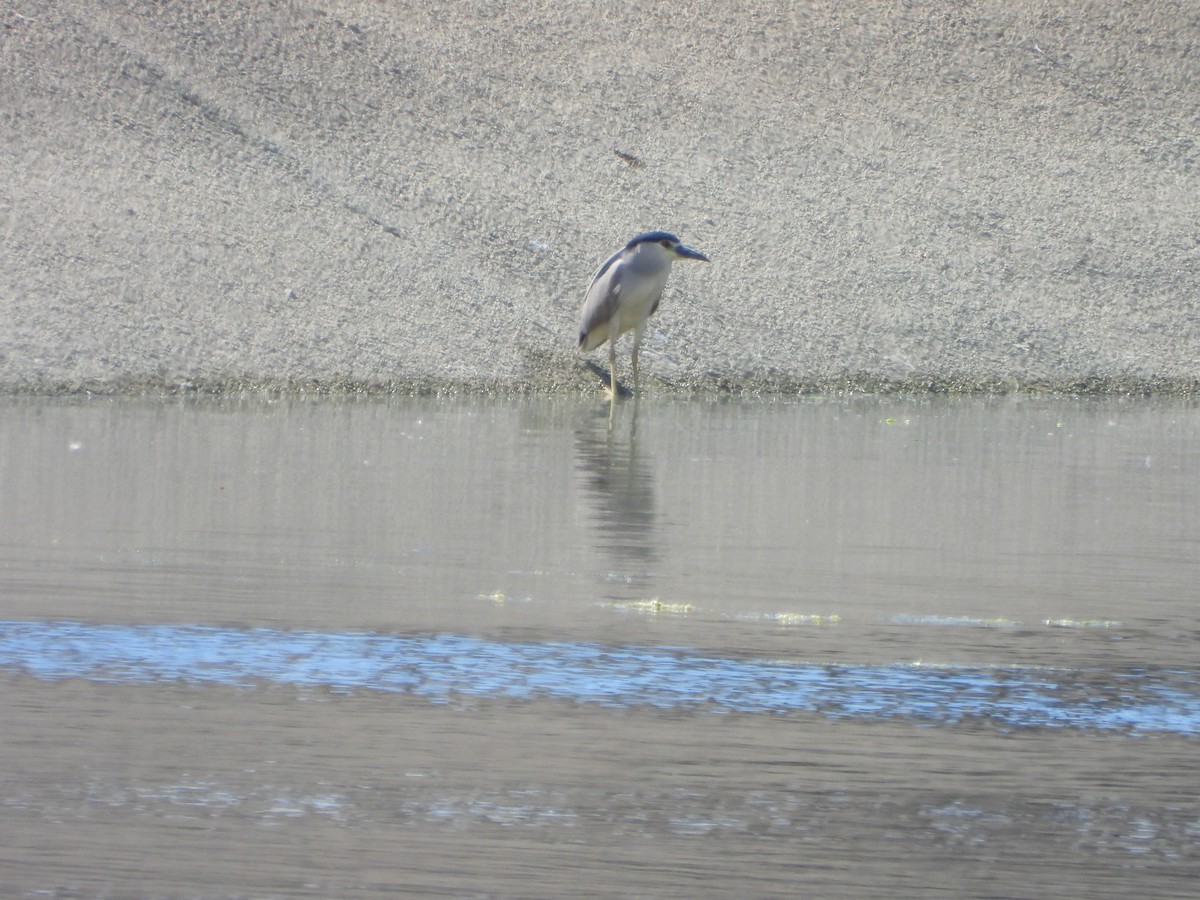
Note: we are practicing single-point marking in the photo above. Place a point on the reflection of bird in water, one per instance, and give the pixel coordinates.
(625, 292)
(618, 491)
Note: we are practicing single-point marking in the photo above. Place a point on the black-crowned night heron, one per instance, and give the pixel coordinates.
(625, 292)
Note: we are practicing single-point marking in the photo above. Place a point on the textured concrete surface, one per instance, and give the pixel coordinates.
(344, 195)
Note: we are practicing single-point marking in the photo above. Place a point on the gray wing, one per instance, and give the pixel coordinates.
(600, 303)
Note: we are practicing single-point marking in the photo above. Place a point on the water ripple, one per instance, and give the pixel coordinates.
(441, 667)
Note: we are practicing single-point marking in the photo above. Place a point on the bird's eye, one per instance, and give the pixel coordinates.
(666, 244)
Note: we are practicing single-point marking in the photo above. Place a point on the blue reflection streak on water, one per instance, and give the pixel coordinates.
(440, 667)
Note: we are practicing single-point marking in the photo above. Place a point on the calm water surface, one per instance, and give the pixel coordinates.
(837, 648)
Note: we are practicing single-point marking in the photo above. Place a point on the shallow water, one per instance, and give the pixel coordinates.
(836, 647)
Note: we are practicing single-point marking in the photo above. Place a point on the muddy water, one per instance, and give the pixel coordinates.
(823, 648)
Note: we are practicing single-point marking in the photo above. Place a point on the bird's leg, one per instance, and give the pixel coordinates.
(637, 342)
(612, 381)
(612, 364)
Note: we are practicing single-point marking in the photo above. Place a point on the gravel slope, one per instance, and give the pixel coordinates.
(381, 196)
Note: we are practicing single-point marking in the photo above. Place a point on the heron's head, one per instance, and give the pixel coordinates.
(664, 244)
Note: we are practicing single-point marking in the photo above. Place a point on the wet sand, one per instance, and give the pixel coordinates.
(173, 791)
(346, 197)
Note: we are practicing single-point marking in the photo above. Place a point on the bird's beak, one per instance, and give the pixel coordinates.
(689, 253)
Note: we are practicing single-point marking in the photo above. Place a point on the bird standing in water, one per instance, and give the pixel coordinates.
(625, 292)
